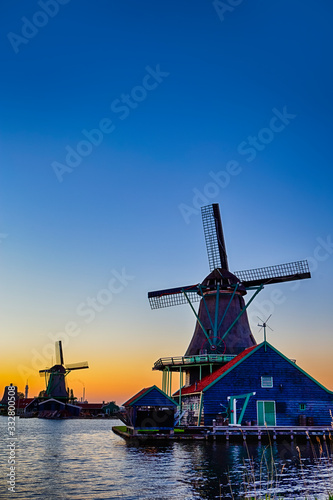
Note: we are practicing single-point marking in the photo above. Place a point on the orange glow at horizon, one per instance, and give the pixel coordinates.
(119, 379)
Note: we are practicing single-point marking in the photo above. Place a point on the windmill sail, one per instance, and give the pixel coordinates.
(77, 366)
(59, 353)
(274, 274)
(216, 249)
(173, 296)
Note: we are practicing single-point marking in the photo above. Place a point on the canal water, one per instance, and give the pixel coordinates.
(83, 459)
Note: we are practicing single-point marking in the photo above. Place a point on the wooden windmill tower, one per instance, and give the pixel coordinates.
(55, 376)
(222, 328)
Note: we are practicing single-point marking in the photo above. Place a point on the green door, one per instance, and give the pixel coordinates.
(266, 412)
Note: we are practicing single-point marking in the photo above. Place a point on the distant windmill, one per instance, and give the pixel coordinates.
(222, 325)
(55, 376)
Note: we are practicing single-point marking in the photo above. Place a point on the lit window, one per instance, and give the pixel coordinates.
(266, 381)
(302, 406)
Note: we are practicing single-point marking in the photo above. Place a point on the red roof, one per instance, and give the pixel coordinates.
(137, 395)
(22, 403)
(90, 406)
(206, 381)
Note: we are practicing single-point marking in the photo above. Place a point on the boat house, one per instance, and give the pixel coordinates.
(150, 409)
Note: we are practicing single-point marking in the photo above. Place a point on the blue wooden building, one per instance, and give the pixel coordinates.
(259, 386)
(150, 409)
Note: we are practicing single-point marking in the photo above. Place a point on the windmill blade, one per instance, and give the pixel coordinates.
(77, 366)
(59, 353)
(217, 254)
(275, 274)
(42, 372)
(173, 296)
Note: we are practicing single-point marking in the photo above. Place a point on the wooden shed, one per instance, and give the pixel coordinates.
(150, 409)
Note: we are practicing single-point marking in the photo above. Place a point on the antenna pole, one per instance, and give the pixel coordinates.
(264, 324)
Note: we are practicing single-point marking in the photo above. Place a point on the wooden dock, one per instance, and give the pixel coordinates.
(274, 433)
(230, 433)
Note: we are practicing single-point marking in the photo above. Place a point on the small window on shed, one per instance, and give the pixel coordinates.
(266, 381)
(302, 406)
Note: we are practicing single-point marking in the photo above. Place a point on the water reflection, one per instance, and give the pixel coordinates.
(84, 459)
(255, 469)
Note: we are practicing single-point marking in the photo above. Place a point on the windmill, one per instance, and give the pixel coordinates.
(55, 376)
(222, 328)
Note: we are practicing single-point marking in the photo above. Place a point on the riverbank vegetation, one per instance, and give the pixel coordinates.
(270, 480)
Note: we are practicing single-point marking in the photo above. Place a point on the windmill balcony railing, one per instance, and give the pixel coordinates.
(192, 360)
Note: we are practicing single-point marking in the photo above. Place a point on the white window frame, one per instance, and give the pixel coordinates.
(270, 382)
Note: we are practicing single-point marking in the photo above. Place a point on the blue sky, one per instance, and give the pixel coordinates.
(199, 88)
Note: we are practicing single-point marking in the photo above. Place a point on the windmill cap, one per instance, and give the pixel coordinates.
(57, 368)
(225, 279)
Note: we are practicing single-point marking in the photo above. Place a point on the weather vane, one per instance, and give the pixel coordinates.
(264, 326)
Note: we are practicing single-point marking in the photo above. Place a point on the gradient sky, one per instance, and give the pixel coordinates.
(196, 106)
